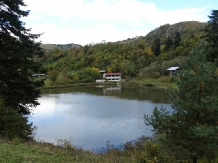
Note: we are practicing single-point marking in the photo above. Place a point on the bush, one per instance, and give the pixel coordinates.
(12, 123)
(167, 79)
(88, 75)
(151, 72)
(53, 75)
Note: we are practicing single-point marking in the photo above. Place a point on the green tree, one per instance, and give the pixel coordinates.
(12, 123)
(191, 128)
(168, 44)
(141, 44)
(53, 75)
(211, 35)
(156, 47)
(89, 75)
(17, 50)
(177, 39)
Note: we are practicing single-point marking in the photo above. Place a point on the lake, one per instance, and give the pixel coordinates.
(90, 117)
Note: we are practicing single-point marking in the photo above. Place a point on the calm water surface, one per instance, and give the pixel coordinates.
(90, 117)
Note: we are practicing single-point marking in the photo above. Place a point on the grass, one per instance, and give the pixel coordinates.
(15, 151)
(18, 151)
(161, 82)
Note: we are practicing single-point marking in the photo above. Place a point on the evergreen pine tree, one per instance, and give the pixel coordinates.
(169, 44)
(211, 35)
(17, 50)
(177, 39)
(156, 47)
(191, 128)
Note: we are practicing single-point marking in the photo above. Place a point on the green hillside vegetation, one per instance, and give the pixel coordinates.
(190, 130)
(134, 58)
(59, 46)
(187, 28)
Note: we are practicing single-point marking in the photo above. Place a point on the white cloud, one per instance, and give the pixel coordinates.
(83, 22)
(34, 17)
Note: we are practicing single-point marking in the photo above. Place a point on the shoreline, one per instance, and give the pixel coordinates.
(129, 84)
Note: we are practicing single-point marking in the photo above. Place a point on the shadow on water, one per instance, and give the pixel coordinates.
(130, 93)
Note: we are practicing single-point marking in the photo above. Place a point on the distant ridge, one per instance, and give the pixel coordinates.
(59, 46)
(169, 30)
(162, 32)
(185, 28)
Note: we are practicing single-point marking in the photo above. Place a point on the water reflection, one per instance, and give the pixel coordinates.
(92, 116)
(111, 91)
(138, 93)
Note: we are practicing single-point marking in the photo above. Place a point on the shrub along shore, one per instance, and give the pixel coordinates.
(162, 82)
(18, 150)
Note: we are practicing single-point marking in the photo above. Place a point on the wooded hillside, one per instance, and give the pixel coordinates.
(141, 57)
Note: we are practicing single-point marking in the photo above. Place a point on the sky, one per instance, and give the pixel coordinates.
(92, 21)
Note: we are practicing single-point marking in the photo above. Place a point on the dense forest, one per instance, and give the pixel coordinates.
(139, 57)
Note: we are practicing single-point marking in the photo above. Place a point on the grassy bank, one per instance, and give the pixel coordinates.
(78, 85)
(162, 82)
(20, 151)
(30, 151)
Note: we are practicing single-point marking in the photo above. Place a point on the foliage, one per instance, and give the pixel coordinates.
(187, 28)
(124, 58)
(88, 75)
(159, 68)
(12, 123)
(17, 150)
(149, 151)
(211, 35)
(169, 43)
(53, 75)
(160, 32)
(191, 129)
(156, 47)
(177, 39)
(18, 48)
(129, 57)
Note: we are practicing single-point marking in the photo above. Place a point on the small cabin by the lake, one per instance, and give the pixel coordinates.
(172, 70)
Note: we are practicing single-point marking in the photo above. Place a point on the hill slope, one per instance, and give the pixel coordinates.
(166, 30)
(162, 32)
(59, 46)
(185, 28)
